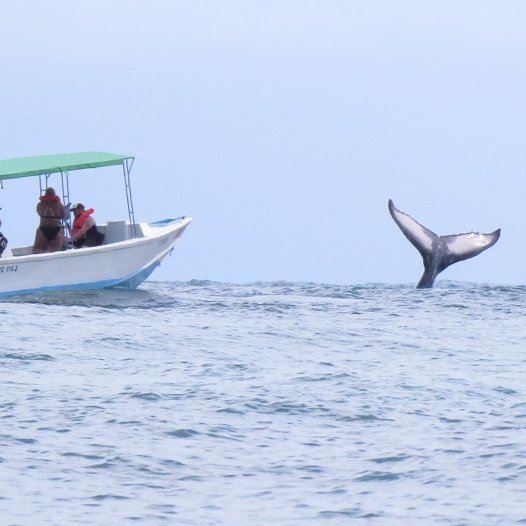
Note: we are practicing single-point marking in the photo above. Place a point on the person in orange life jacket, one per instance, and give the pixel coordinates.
(49, 236)
(84, 232)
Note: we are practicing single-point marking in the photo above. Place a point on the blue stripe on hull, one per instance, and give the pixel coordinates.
(134, 281)
(62, 288)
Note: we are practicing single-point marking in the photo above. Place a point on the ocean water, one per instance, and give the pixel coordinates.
(205, 403)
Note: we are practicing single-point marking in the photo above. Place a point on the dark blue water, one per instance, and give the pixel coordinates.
(207, 404)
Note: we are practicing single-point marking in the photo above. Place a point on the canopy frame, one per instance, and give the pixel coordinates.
(47, 165)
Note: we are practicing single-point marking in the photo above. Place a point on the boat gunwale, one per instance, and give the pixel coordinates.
(156, 232)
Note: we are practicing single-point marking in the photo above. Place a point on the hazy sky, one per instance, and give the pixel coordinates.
(281, 127)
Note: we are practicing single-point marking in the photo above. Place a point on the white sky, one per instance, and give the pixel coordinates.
(282, 127)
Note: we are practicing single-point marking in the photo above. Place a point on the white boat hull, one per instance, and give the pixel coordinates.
(124, 263)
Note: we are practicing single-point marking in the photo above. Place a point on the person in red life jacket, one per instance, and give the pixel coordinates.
(49, 236)
(84, 232)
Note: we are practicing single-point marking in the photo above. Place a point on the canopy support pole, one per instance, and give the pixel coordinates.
(126, 168)
(64, 179)
(66, 223)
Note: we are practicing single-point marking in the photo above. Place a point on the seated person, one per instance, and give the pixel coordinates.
(3, 241)
(84, 232)
(49, 236)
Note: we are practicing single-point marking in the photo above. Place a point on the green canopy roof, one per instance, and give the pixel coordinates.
(48, 164)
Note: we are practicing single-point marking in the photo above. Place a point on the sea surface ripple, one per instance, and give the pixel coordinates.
(204, 403)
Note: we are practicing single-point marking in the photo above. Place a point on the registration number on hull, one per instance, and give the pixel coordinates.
(4, 269)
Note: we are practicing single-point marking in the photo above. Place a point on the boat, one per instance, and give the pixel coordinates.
(130, 252)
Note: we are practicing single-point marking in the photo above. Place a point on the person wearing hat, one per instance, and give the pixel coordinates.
(84, 231)
(49, 236)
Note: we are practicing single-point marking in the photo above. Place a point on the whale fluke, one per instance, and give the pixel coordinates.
(439, 252)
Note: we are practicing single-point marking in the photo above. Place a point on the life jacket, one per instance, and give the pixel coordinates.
(49, 198)
(81, 219)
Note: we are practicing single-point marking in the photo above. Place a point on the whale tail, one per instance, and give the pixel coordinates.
(439, 252)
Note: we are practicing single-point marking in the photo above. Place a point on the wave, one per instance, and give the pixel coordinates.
(276, 297)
